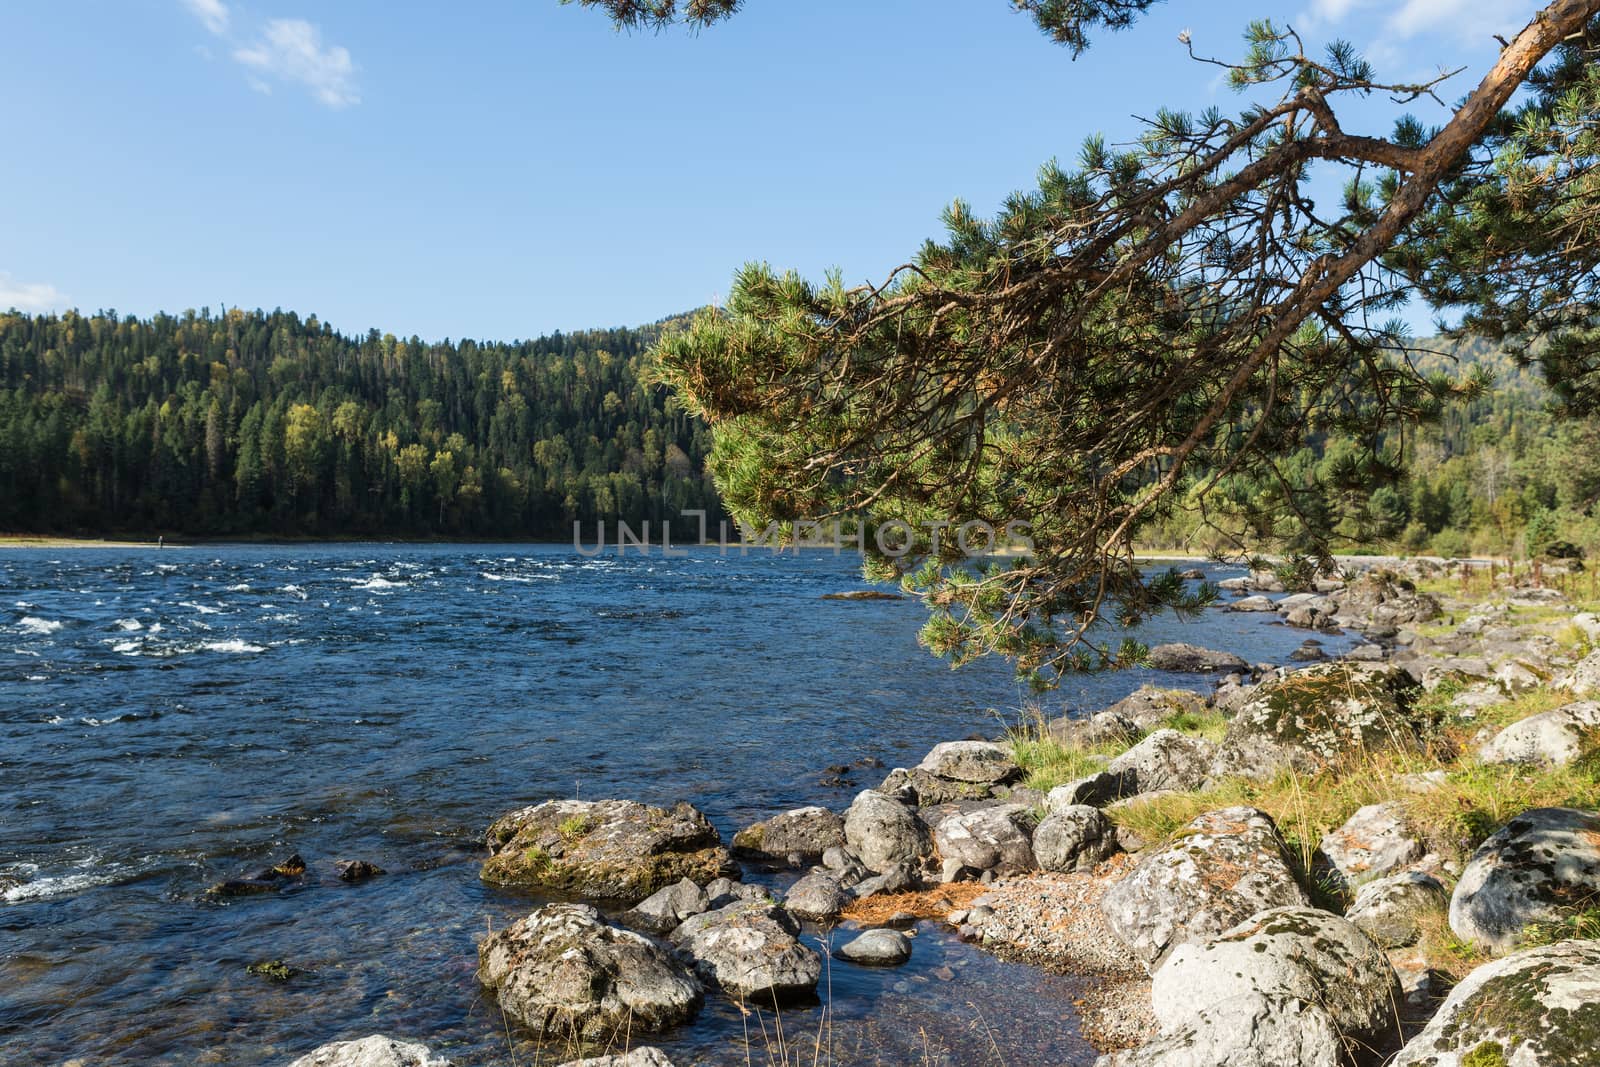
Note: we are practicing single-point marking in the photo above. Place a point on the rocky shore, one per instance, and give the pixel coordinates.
(1388, 858)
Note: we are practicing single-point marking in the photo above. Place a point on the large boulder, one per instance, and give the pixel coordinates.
(1373, 842)
(988, 839)
(562, 970)
(1538, 1008)
(605, 849)
(1243, 1031)
(1391, 910)
(1074, 838)
(1192, 658)
(1164, 760)
(1221, 869)
(1553, 738)
(374, 1051)
(883, 832)
(802, 834)
(1317, 716)
(750, 949)
(1294, 953)
(1538, 868)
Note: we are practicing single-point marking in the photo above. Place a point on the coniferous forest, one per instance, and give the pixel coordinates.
(255, 423)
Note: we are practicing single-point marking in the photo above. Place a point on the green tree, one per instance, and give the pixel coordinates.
(1148, 323)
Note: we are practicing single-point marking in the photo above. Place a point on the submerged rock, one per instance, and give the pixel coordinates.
(1317, 716)
(1296, 954)
(877, 948)
(562, 970)
(1221, 869)
(803, 832)
(1540, 867)
(357, 870)
(267, 880)
(605, 849)
(374, 1051)
(1554, 738)
(1538, 1008)
(750, 949)
(1193, 658)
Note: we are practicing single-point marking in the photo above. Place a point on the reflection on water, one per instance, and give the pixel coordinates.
(171, 720)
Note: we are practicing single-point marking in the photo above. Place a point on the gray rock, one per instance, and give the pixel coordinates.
(1379, 599)
(1588, 623)
(1107, 727)
(1224, 867)
(916, 786)
(1539, 867)
(1554, 738)
(1192, 658)
(1293, 953)
(896, 879)
(1390, 910)
(1518, 676)
(639, 1057)
(1372, 843)
(818, 897)
(1097, 789)
(1164, 760)
(1243, 1031)
(803, 832)
(1585, 677)
(1317, 716)
(989, 839)
(1253, 603)
(877, 948)
(1074, 838)
(562, 970)
(663, 910)
(970, 761)
(1366, 654)
(1150, 706)
(1538, 1008)
(750, 949)
(606, 849)
(374, 1051)
(883, 832)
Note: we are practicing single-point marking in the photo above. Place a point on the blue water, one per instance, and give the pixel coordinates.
(171, 719)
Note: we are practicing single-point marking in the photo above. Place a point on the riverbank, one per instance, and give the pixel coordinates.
(1360, 829)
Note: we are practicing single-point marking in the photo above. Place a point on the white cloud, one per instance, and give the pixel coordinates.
(291, 50)
(1465, 20)
(212, 13)
(29, 296)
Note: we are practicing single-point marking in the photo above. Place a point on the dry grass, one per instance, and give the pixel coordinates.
(933, 903)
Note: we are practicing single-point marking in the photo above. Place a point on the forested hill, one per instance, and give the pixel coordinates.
(254, 423)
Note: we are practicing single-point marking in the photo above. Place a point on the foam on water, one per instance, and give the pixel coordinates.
(233, 646)
(34, 625)
(129, 625)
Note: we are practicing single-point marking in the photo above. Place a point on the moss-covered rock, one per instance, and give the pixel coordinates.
(614, 850)
(1538, 1008)
(1319, 716)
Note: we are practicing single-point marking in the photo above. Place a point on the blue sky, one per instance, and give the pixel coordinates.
(504, 169)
